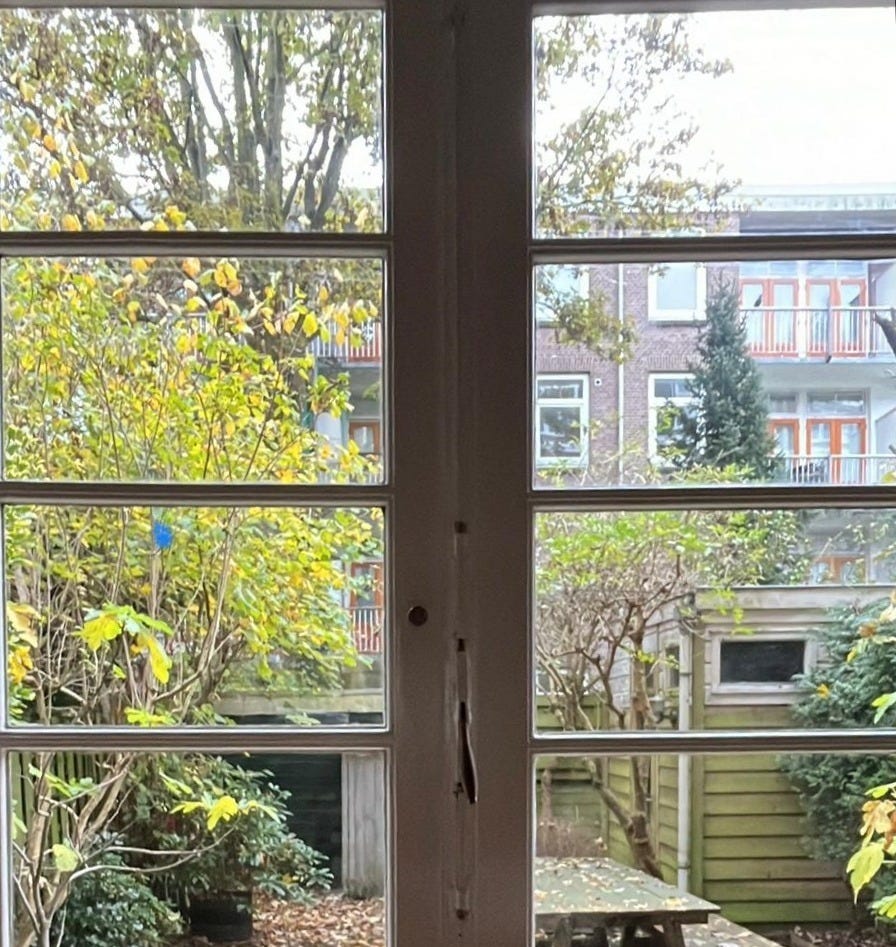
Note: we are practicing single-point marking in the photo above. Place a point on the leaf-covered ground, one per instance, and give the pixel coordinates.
(839, 938)
(330, 921)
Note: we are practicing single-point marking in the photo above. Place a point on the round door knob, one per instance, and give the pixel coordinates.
(418, 615)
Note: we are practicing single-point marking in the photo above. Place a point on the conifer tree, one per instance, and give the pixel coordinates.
(728, 423)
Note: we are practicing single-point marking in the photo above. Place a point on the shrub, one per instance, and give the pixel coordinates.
(253, 850)
(839, 693)
(114, 908)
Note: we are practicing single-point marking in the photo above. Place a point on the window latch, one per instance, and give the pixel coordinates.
(467, 776)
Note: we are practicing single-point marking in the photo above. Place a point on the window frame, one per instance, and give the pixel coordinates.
(655, 313)
(582, 404)
(416, 494)
(655, 405)
(763, 692)
(460, 493)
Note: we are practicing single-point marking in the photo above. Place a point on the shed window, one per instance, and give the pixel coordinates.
(761, 662)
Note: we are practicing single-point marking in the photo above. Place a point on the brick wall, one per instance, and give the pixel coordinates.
(658, 347)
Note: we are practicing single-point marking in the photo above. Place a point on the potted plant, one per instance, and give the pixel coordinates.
(232, 822)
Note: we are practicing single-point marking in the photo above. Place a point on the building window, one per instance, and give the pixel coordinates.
(561, 418)
(671, 399)
(366, 434)
(558, 288)
(759, 661)
(677, 291)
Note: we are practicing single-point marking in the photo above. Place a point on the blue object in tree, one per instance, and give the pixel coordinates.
(162, 534)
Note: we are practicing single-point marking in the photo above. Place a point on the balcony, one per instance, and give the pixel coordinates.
(838, 468)
(803, 333)
(367, 628)
(363, 345)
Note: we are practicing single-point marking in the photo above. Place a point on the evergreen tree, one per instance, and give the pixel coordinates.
(728, 423)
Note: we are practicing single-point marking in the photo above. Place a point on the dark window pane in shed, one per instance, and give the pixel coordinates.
(761, 662)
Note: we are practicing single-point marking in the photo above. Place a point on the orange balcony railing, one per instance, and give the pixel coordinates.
(836, 332)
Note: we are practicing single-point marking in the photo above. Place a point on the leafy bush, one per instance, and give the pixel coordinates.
(113, 908)
(236, 822)
(840, 693)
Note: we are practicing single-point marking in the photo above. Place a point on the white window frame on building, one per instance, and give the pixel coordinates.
(578, 403)
(658, 313)
(656, 404)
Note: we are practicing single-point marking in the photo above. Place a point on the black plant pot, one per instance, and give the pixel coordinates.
(222, 917)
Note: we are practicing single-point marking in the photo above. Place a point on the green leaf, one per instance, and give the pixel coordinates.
(138, 717)
(883, 704)
(65, 858)
(187, 807)
(878, 792)
(864, 865)
(885, 907)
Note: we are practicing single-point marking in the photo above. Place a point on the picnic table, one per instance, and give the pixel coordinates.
(598, 894)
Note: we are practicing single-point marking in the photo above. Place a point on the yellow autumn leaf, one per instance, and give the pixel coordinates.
(309, 324)
(54, 170)
(49, 142)
(185, 344)
(159, 662)
(139, 265)
(823, 691)
(70, 222)
(175, 215)
(20, 664)
(81, 171)
(99, 630)
(191, 266)
(234, 287)
(20, 616)
(323, 295)
(224, 808)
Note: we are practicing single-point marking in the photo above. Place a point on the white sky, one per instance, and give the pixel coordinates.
(811, 98)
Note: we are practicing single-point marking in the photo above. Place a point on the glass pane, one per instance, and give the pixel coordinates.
(166, 616)
(198, 848)
(180, 119)
(676, 286)
(191, 369)
(785, 438)
(761, 662)
(819, 295)
(560, 432)
(734, 121)
(562, 389)
(658, 619)
(670, 402)
(745, 848)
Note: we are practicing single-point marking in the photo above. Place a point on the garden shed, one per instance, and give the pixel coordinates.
(728, 827)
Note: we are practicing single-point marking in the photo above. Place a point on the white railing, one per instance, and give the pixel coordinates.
(835, 332)
(367, 628)
(838, 468)
(361, 344)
